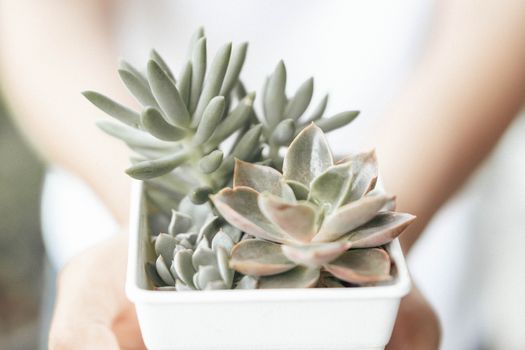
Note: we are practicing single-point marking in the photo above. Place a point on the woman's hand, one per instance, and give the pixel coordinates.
(92, 311)
(417, 326)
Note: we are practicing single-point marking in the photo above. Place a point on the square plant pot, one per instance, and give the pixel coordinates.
(301, 319)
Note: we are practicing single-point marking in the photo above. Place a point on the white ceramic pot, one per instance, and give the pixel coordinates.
(300, 319)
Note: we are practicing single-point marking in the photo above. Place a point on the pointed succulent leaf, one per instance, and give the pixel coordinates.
(211, 162)
(164, 246)
(274, 99)
(208, 229)
(350, 216)
(237, 59)
(197, 34)
(210, 119)
(248, 143)
(239, 207)
(153, 275)
(198, 213)
(361, 266)
(222, 240)
(138, 87)
(154, 168)
(259, 258)
(315, 255)
(337, 121)
(223, 265)
(298, 104)
(333, 187)
(203, 255)
(382, 229)
(164, 271)
(199, 71)
(299, 277)
(300, 191)
(213, 82)
(206, 275)
(125, 65)
(247, 282)
(179, 223)
(261, 178)
(167, 96)
(134, 138)
(237, 118)
(234, 233)
(114, 109)
(318, 112)
(299, 219)
(183, 266)
(364, 166)
(155, 56)
(184, 83)
(308, 156)
(283, 133)
(153, 121)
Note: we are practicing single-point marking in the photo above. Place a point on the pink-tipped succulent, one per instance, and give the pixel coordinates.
(317, 224)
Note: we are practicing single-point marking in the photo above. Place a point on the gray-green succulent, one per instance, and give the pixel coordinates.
(297, 221)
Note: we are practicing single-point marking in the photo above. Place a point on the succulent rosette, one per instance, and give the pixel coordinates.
(319, 223)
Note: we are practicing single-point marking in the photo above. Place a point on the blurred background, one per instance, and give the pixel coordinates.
(21, 249)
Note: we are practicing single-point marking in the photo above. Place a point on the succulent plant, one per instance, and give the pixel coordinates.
(195, 253)
(316, 217)
(178, 136)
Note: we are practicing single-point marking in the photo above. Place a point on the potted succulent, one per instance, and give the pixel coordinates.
(245, 232)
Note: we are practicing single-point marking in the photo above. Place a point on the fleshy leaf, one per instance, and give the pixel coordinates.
(239, 207)
(198, 61)
(318, 112)
(206, 275)
(114, 109)
(210, 119)
(259, 258)
(154, 123)
(137, 85)
(299, 220)
(315, 255)
(350, 216)
(382, 229)
(164, 271)
(308, 156)
(300, 101)
(203, 255)
(283, 132)
(179, 223)
(261, 178)
(337, 121)
(332, 188)
(167, 95)
(299, 277)
(184, 83)
(300, 191)
(274, 99)
(183, 266)
(361, 266)
(223, 266)
(211, 162)
(364, 166)
(165, 245)
(155, 56)
(222, 240)
(237, 58)
(153, 168)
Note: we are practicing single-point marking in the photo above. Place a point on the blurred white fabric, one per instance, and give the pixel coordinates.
(359, 52)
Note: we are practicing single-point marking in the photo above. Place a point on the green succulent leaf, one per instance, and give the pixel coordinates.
(211, 162)
(199, 71)
(134, 138)
(261, 178)
(153, 168)
(183, 266)
(210, 119)
(297, 219)
(164, 271)
(167, 96)
(298, 104)
(213, 82)
(315, 255)
(222, 241)
(184, 83)
(362, 266)
(125, 65)
(179, 223)
(299, 277)
(114, 109)
(351, 216)
(308, 156)
(237, 59)
(300, 191)
(259, 258)
(164, 246)
(208, 229)
(248, 143)
(382, 229)
(318, 111)
(337, 121)
(239, 207)
(155, 56)
(275, 96)
(223, 265)
(364, 166)
(207, 275)
(153, 121)
(138, 86)
(283, 133)
(332, 188)
(203, 255)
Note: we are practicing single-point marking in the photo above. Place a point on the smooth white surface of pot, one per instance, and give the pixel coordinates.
(299, 319)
